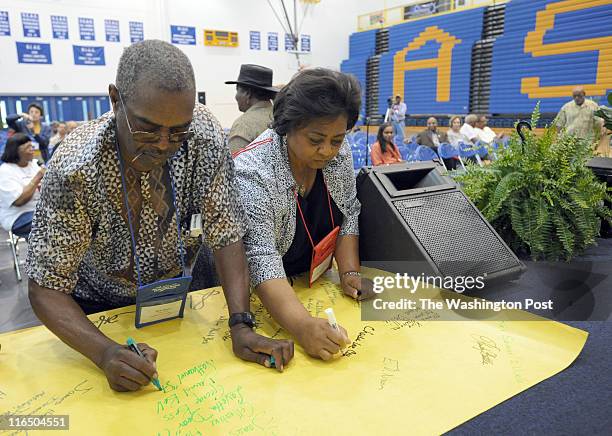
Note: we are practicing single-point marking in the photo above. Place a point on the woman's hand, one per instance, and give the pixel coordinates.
(253, 347)
(321, 340)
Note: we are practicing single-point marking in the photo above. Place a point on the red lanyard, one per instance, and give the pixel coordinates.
(302, 214)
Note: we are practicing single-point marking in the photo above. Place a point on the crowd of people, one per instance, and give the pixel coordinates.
(576, 117)
(112, 209)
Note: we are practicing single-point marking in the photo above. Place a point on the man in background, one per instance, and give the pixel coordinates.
(576, 116)
(398, 117)
(469, 128)
(431, 137)
(484, 132)
(254, 92)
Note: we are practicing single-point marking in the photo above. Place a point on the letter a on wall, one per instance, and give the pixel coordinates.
(428, 63)
(442, 62)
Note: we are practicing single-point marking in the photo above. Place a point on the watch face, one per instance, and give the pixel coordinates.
(244, 317)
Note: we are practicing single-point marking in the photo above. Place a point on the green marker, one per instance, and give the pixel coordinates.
(133, 347)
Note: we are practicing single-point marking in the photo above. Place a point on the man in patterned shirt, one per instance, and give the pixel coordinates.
(170, 154)
(577, 117)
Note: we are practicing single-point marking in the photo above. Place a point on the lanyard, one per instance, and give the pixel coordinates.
(127, 207)
(302, 214)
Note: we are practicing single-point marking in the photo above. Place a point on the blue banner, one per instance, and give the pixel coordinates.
(272, 41)
(255, 40)
(183, 35)
(86, 29)
(85, 55)
(31, 25)
(59, 26)
(289, 45)
(136, 31)
(33, 53)
(305, 43)
(5, 25)
(111, 28)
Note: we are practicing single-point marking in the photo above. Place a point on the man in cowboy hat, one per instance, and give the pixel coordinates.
(254, 91)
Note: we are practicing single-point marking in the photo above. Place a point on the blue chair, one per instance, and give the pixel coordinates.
(411, 148)
(481, 149)
(424, 153)
(447, 151)
(468, 151)
(403, 151)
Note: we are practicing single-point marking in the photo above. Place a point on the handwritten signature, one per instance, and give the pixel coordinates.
(197, 302)
(487, 347)
(390, 367)
(103, 319)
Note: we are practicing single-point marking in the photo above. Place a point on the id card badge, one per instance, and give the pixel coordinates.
(161, 301)
(322, 255)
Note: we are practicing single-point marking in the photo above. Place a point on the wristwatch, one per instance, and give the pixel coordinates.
(242, 318)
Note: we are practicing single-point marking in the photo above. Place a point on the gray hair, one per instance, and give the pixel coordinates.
(155, 63)
(471, 119)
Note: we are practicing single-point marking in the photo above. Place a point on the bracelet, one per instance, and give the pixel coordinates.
(351, 273)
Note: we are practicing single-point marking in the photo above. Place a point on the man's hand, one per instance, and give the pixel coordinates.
(357, 287)
(320, 340)
(126, 370)
(252, 347)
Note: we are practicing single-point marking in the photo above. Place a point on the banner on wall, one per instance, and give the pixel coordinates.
(183, 35)
(31, 25)
(59, 26)
(33, 53)
(5, 25)
(305, 43)
(136, 31)
(255, 40)
(111, 28)
(544, 38)
(272, 41)
(86, 29)
(289, 45)
(89, 56)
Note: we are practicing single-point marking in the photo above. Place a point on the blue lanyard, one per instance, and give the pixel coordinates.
(127, 207)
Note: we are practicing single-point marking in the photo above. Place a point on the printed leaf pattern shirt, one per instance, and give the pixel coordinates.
(80, 241)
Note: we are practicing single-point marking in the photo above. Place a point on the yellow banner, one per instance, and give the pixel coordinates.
(415, 376)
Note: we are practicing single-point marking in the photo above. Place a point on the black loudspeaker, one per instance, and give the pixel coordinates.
(202, 97)
(602, 167)
(416, 220)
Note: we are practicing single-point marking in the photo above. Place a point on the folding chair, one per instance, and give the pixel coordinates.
(13, 241)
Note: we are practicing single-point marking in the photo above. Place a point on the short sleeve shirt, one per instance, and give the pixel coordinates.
(80, 241)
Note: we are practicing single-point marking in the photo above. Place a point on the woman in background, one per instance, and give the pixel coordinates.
(32, 125)
(453, 134)
(20, 177)
(384, 151)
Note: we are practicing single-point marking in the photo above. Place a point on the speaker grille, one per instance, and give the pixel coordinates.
(454, 235)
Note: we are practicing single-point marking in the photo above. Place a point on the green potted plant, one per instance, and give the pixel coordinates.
(606, 113)
(539, 195)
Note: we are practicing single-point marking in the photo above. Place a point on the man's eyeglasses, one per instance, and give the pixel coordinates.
(153, 137)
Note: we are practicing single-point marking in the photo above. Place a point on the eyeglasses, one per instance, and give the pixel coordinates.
(154, 137)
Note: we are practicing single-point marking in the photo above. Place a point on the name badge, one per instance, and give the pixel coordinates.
(161, 301)
(322, 255)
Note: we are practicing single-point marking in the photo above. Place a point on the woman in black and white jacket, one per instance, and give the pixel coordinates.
(297, 186)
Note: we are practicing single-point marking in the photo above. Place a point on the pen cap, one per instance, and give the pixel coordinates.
(331, 317)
